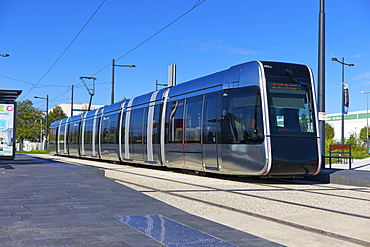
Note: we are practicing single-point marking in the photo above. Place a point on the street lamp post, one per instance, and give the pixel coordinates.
(367, 120)
(114, 65)
(46, 122)
(348, 64)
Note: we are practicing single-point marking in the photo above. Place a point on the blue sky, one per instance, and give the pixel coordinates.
(211, 37)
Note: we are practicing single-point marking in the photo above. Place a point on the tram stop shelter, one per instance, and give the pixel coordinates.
(8, 107)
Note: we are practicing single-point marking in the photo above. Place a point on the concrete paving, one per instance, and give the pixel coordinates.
(339, 173)
(49, 203)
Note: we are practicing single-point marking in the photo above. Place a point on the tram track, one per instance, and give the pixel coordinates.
(259, 184)
(361, 189)
(266, 184)
(260, 197)
(149, 189)
(319, 193)
(280, 221)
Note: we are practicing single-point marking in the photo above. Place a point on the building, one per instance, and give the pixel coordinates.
(77, 108)
(353, 123)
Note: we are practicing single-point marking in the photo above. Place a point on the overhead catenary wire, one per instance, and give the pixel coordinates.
(199, 2)
(65, 50)
(14, 79)
(79, 85)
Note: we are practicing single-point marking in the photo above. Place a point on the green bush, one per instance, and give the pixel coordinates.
(358, 143)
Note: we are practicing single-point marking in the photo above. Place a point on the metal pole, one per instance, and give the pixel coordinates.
(367, 122)
(321, 79)
(72, 101)
(112, 95)
(40, 134)
(46, 125)
(342, 100)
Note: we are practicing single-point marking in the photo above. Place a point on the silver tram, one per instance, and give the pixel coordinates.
(256, 118)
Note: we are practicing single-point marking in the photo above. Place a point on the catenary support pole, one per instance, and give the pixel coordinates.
(321, 79)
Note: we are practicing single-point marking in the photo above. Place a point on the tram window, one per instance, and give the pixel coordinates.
(109, 129)
(136, 126)
(123, 127)
(291, 110)
(156, 116)
(144, 125)
(88, 131)
(211, 119)
(242, 116)
(193, 119)
(73, 133)
(175, 121)
(96, 124)
(62, 133)
(52, 136)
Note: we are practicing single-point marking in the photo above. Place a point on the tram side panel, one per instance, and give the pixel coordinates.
(53, 135)
(109, 136)
(86, 137)
(211, 131)
(293, 123)
(155, 151)
(239, 129)
(137, 133)
(236, 148)
(174, 133)
(193, 115)
(62, 137)
(242, 148)
(74, 136)
(90, 135)
(192, 133)
(152, 139)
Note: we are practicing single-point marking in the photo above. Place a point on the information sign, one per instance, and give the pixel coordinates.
(7, 129)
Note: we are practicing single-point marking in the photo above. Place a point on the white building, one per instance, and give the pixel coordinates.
(77, 108)
(353, 123)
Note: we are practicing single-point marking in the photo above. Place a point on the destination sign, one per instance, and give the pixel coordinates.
(285, 86)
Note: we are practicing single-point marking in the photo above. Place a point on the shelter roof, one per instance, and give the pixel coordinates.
(9, 95)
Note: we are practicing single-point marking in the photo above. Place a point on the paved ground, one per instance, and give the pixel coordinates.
(357, 164)
(48, 203)
(44, 202)
(340, 173)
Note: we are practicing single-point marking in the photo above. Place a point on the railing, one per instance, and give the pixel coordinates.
(28, 146)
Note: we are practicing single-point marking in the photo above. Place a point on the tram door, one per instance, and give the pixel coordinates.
(211, 131)
(193, 133)
(175, 146)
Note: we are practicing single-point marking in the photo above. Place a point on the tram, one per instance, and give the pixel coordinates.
(255, 119)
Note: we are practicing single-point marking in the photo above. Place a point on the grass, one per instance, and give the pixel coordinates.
(360, 156)
(34, 152)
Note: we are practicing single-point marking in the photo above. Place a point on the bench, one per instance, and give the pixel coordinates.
(339, 151)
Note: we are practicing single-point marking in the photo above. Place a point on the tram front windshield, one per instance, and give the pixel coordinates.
(290, 106)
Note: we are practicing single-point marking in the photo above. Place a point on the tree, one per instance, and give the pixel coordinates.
(28, 121)
(56, 114)
(354, 140)
(329, 132)
(329, 135)
(363, 137)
